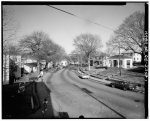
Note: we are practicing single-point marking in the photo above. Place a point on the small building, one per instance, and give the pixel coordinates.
(64, 63)
(30, 67)
(125, 61)
(29, 64)
(50, 65)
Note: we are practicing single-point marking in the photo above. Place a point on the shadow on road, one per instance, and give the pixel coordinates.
(34, 102)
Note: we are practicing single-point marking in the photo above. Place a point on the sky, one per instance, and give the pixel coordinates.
(63, 28)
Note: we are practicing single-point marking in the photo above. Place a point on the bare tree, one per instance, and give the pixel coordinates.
(59, 53)
(32, 45)
(74, 57)
(14, 50)
(87, 44)
(130, 34)
(52, 51)
(47, 50)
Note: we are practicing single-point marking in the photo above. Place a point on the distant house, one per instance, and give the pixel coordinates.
(99, 61)
(125, 61)
(64, 63)
(50, 65)
(29, 65)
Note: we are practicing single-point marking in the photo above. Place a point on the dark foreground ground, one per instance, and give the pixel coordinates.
(30, 100)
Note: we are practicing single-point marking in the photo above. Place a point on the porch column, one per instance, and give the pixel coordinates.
(112, 62)
(131, 63)
(125, 63)
(118, 63)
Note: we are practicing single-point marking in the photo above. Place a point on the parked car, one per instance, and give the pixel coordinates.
(120, 84)
(139, 88)
(84, 76)
(127, 86)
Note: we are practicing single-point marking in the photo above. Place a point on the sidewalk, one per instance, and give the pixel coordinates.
(45, 110)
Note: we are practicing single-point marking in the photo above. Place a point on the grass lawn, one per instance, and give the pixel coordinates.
(134, 75)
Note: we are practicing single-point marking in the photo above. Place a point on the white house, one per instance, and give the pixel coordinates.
(50, 64)
(125, 61)
(64, 63)
(29, 64)
(135, 56)
(105, 61)
(99, 61)
(30, 67)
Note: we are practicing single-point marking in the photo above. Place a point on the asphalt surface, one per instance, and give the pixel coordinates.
(91, 99)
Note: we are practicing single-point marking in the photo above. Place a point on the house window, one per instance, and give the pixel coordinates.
(101, 62)
(128, 62)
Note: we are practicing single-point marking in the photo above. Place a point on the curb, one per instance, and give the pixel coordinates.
(95, 79)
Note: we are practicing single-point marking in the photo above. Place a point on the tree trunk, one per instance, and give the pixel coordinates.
(142, 58)
(38, 67)
(89, 62)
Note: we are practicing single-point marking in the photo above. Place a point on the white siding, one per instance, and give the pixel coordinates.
(136, 57)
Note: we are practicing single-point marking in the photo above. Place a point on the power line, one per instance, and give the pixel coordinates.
(81, 17)
(61, 10)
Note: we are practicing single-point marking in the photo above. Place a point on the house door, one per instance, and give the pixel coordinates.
(128, 63)
(91, 62)
(115, 63)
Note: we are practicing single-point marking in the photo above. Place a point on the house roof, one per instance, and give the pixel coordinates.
(121, 57)
(31, 64)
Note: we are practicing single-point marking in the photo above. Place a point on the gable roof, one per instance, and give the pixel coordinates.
(121, 57)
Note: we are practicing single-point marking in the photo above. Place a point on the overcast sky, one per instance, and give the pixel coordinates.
(63, 28)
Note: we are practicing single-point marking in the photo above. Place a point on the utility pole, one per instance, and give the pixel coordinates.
(119, 59)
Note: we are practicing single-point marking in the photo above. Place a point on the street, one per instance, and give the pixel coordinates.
(91, 99)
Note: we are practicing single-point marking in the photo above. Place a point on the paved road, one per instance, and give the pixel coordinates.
(85, 97)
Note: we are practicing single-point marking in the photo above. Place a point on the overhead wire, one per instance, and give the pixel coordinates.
(81, 17)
